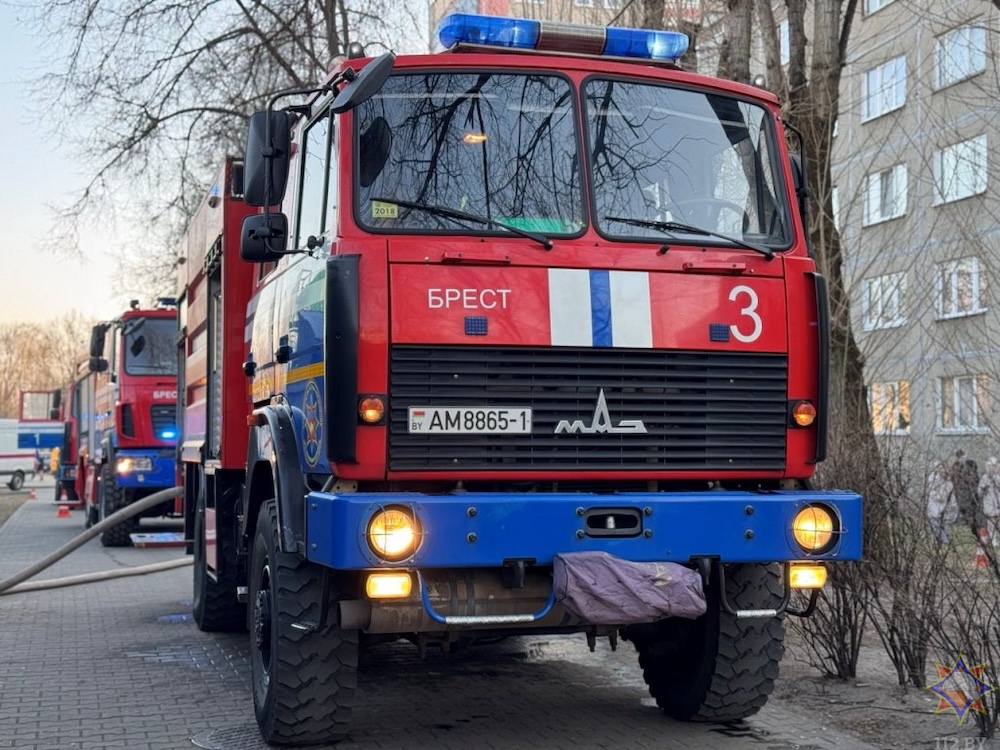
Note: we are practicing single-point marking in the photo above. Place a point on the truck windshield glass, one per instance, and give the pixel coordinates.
(499, 146)
(151, 348)
(661, 154)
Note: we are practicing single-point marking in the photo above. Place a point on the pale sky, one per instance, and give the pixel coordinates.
(37, 286)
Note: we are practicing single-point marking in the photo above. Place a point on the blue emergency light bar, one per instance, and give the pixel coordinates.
(553, 36)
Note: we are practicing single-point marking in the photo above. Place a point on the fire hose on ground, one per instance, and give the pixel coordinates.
(15, 584)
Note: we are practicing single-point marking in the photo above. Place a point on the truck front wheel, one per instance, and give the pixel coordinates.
(16, 481)
(303, 672)
(112, 498)
(716, 668)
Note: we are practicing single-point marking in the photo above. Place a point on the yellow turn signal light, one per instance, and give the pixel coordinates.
(803, 413)
(802, 576)
(814, 528)
(389, 585)
(393, 533)
(371, 409)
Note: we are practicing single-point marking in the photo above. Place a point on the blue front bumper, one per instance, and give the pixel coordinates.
(162, 475)
(485, 529)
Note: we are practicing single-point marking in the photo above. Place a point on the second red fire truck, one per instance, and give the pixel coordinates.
(125, 417)
(535, 344)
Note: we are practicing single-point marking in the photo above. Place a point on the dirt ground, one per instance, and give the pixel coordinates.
(873, 707)
(9, 502)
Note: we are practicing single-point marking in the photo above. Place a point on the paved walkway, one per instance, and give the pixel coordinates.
(120, 664)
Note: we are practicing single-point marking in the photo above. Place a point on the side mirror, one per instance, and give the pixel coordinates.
(98, 364)
(367, 83)
(97, 341)
(801, 188)
(265, 169)
(373, 150)
(236, 180)
(263, 237)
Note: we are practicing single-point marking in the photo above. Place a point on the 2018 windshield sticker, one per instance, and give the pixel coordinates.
(383, 210)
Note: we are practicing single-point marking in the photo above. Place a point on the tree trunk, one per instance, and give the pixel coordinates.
(734, 60)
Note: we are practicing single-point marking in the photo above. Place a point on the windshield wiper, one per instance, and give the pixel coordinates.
(454, 213)
(673, 227)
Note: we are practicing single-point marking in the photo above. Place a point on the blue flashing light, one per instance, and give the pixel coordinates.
(526, 33)
(168, 434)
(645, 44)
(494, 31)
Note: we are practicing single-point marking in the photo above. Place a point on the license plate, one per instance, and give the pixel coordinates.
(469, 420)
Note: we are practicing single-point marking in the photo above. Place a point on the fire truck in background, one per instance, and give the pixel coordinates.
(536, 345)
(127, 439)
(77, 414)
(39, 424)
(215, 285)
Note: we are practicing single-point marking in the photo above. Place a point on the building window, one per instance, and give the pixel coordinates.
(583, 3)
(835, 206)
(884, 89)
(613, 4)
(961, 288)
(960, 170)
(873, 5)
(962, 403)
(885, 195)
(784, 44)
(961, 53)
(882, 303)
(890, 407)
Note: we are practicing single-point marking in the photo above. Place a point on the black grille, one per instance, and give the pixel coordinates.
(164, 418)
(701, 410)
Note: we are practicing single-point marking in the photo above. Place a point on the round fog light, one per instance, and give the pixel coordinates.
(392, 534)
(371, 409)
(803, 413)
(814, 528)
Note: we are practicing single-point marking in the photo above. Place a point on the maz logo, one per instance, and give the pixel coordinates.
(601, 422)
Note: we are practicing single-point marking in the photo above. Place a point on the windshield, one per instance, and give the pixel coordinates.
(661, 154)
(500, 146)
(150, 346)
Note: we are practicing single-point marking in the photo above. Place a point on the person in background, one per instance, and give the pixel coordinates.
(989, 498)
(965, 478)
(942, 508)
(39, 471)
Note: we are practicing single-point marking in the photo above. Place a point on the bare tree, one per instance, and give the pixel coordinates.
(39, 356)
(165, 88)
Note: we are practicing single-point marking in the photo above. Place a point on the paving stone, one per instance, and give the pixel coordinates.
(120, 664)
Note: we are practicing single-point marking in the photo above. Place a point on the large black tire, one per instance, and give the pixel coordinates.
(717, 668)
(216, 606)
(16, 481)
(303, 679)
(113, 498)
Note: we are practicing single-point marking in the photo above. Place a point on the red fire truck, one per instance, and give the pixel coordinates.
(535, 345)
(127, 438)
(77, 404)
(215, 285)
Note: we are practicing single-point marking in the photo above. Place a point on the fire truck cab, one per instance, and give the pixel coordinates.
(536, 344)
(131, 428)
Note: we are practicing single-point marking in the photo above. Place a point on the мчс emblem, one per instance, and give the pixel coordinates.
(601, 422)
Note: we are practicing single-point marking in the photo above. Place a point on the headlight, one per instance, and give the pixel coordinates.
(393, 533)
(130, 464)
(815, 528)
